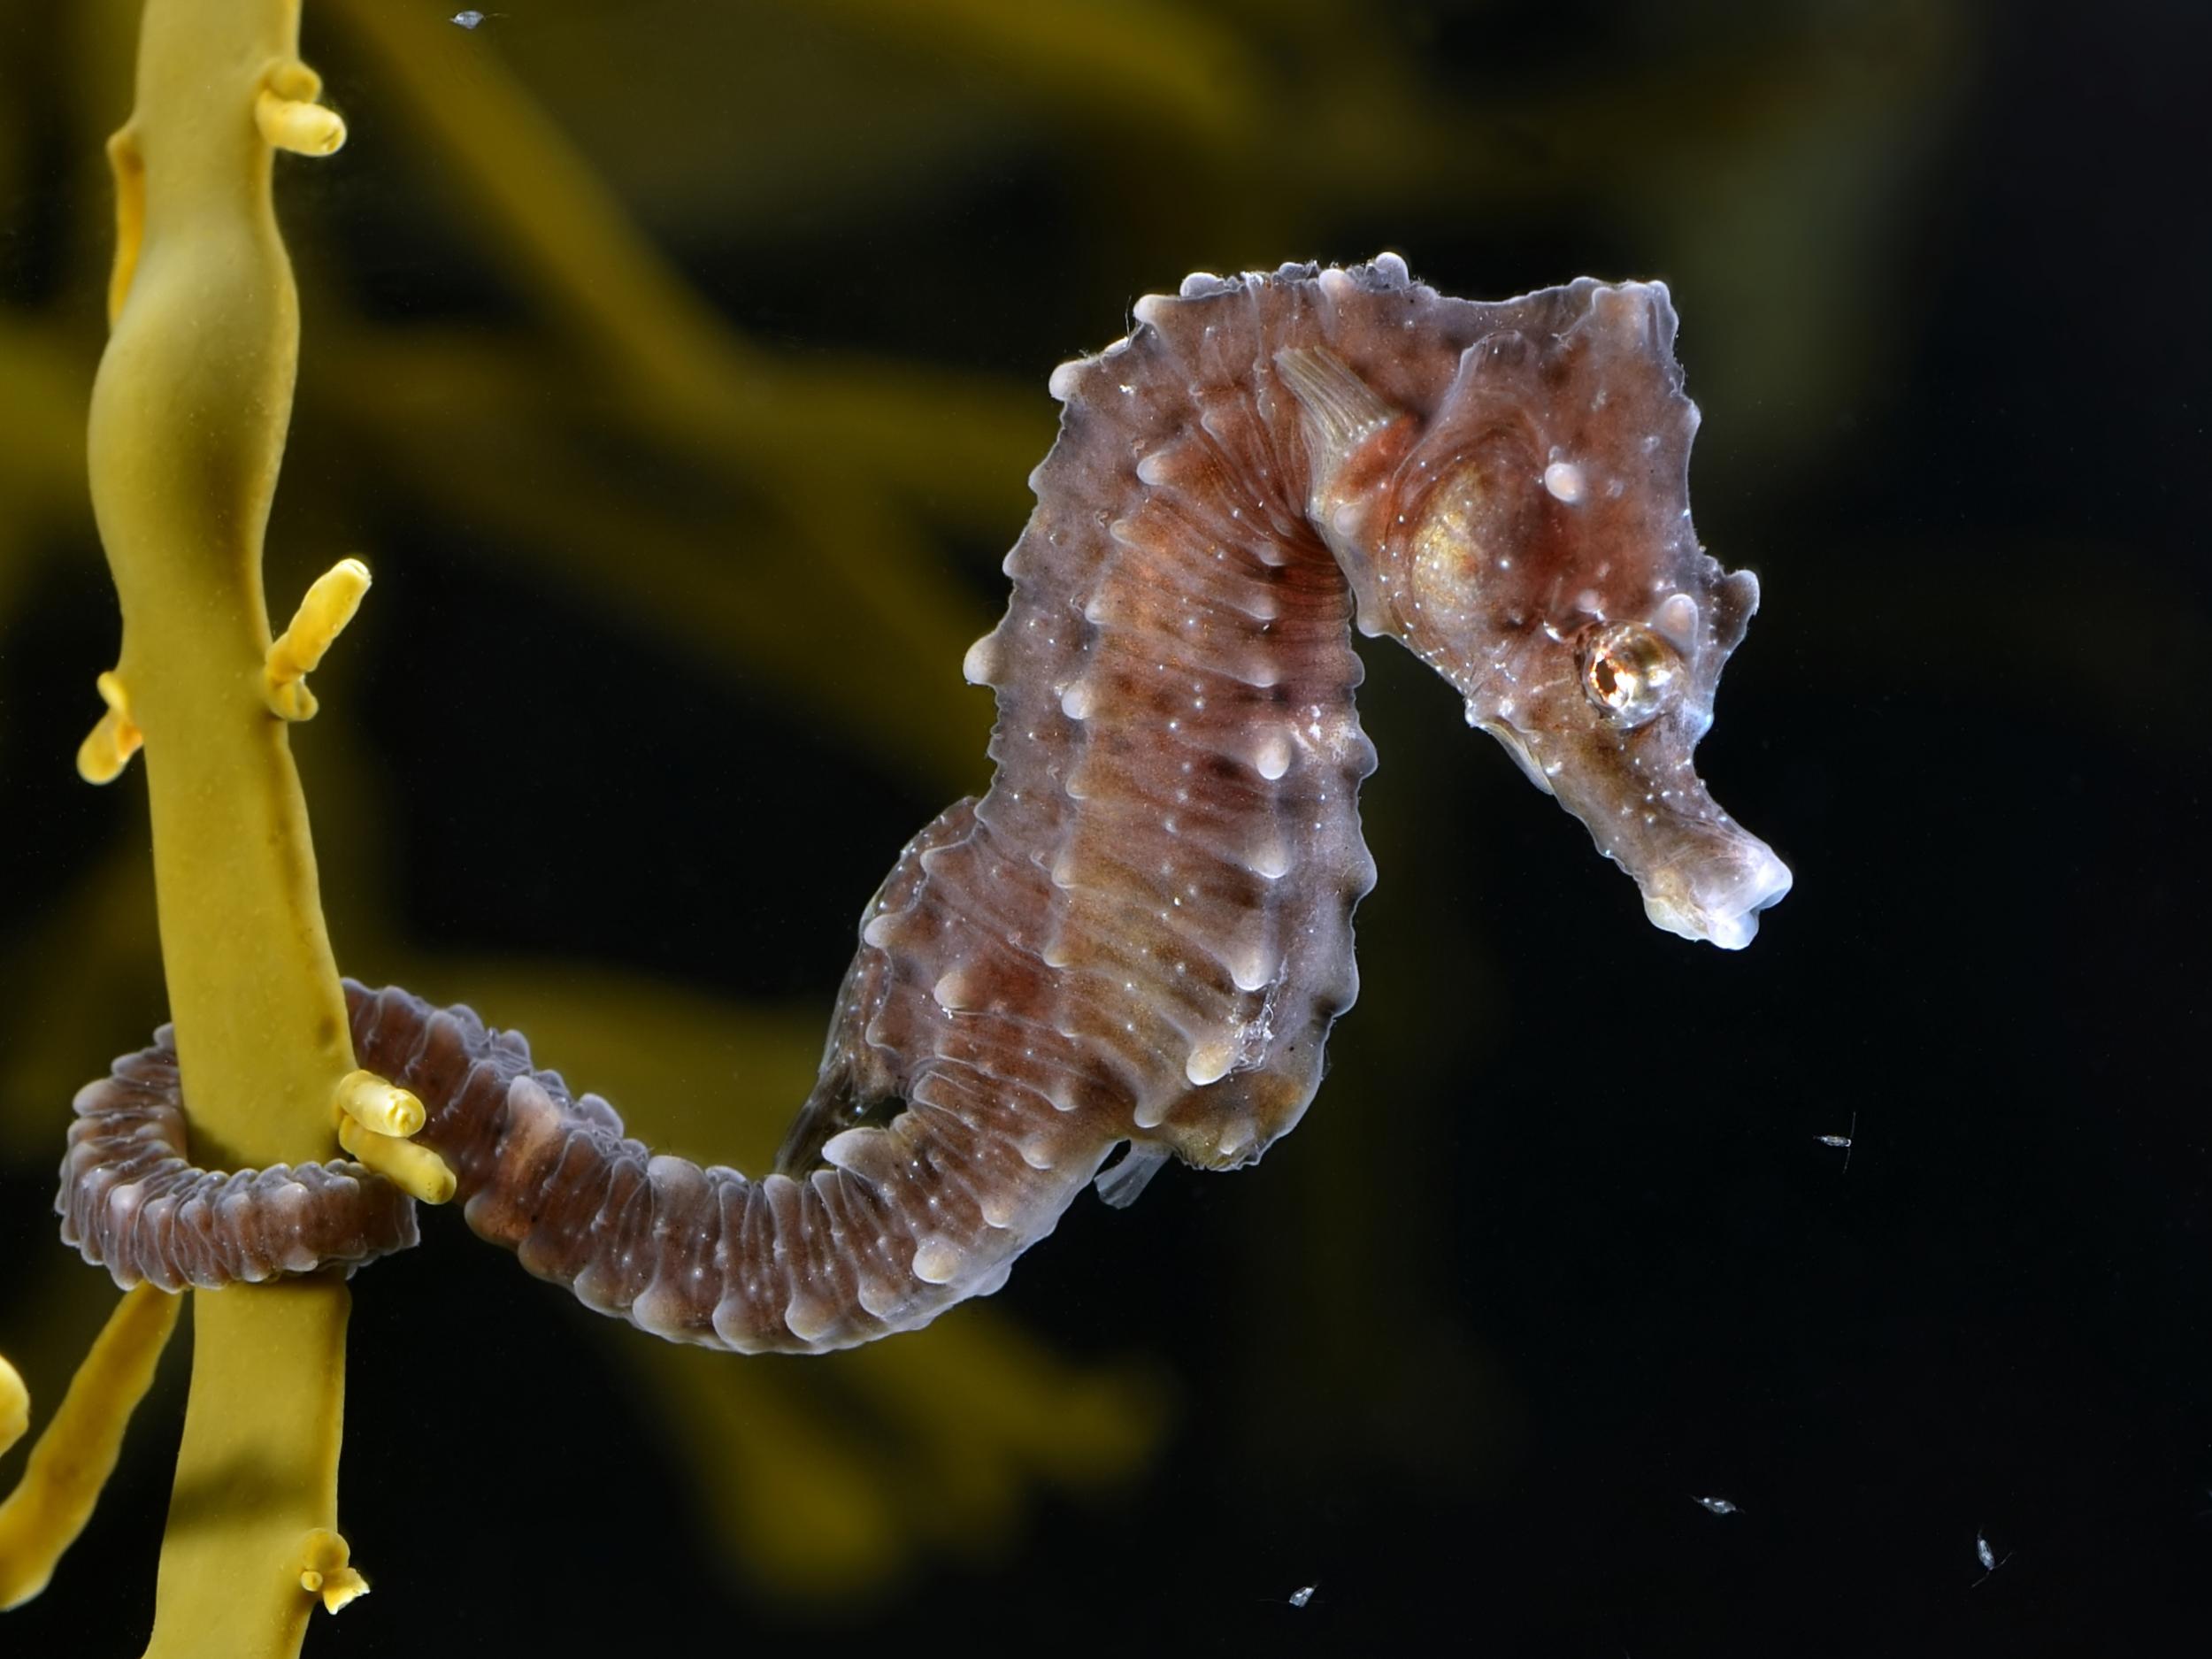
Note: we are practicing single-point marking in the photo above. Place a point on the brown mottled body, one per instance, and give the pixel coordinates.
(1142, 932)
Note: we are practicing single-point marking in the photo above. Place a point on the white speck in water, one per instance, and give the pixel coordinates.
(467, 20)
(1842, 1143)
(1563, 479)
(1303, 1594)
(1716, 1506)
(1989, 1558)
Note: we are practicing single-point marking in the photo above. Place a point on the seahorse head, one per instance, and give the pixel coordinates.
(1531, 540)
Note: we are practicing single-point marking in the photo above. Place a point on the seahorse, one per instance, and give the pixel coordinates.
(1141, 936)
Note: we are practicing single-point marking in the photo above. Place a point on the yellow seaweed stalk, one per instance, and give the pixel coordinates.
(75, 1456)
(187, 425)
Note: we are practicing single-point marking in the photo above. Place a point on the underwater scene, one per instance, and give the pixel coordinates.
(773, 783)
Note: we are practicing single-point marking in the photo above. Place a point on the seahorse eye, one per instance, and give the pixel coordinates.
(1630, 672)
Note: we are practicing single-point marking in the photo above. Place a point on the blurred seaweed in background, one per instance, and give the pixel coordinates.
(678, 367)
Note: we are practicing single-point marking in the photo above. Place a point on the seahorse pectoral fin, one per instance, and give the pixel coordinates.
(1123, 1183)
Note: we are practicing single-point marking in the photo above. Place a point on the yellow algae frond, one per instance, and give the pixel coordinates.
(324, 609)
(76, 1453)
(289, 117)
(416, 1170)
(15, 1405)
(102, 756)
(374, 1103)
(326, 1569)
(188, 419)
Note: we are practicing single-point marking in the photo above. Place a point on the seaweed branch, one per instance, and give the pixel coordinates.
(188, 417)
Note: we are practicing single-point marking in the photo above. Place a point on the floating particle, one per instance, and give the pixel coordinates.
(1842, 1143)
(467, 20)
(1989, 1558)
(1716, 1506)
(1303, 1594)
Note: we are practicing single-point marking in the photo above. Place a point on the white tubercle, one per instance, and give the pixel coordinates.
(1564, 480)
(936, 1259)
(981, 662)
(951, 991)
(1677, 618)
(1270, 859)
(1252, 968)
(807, 1316)
(1075, 700)
(882, 1301)
(1271, 759)
(1209, 1063)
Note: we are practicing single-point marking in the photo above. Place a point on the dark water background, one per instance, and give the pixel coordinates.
(1557, 1250)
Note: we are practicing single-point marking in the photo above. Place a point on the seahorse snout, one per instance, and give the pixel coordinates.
(1715, 889)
